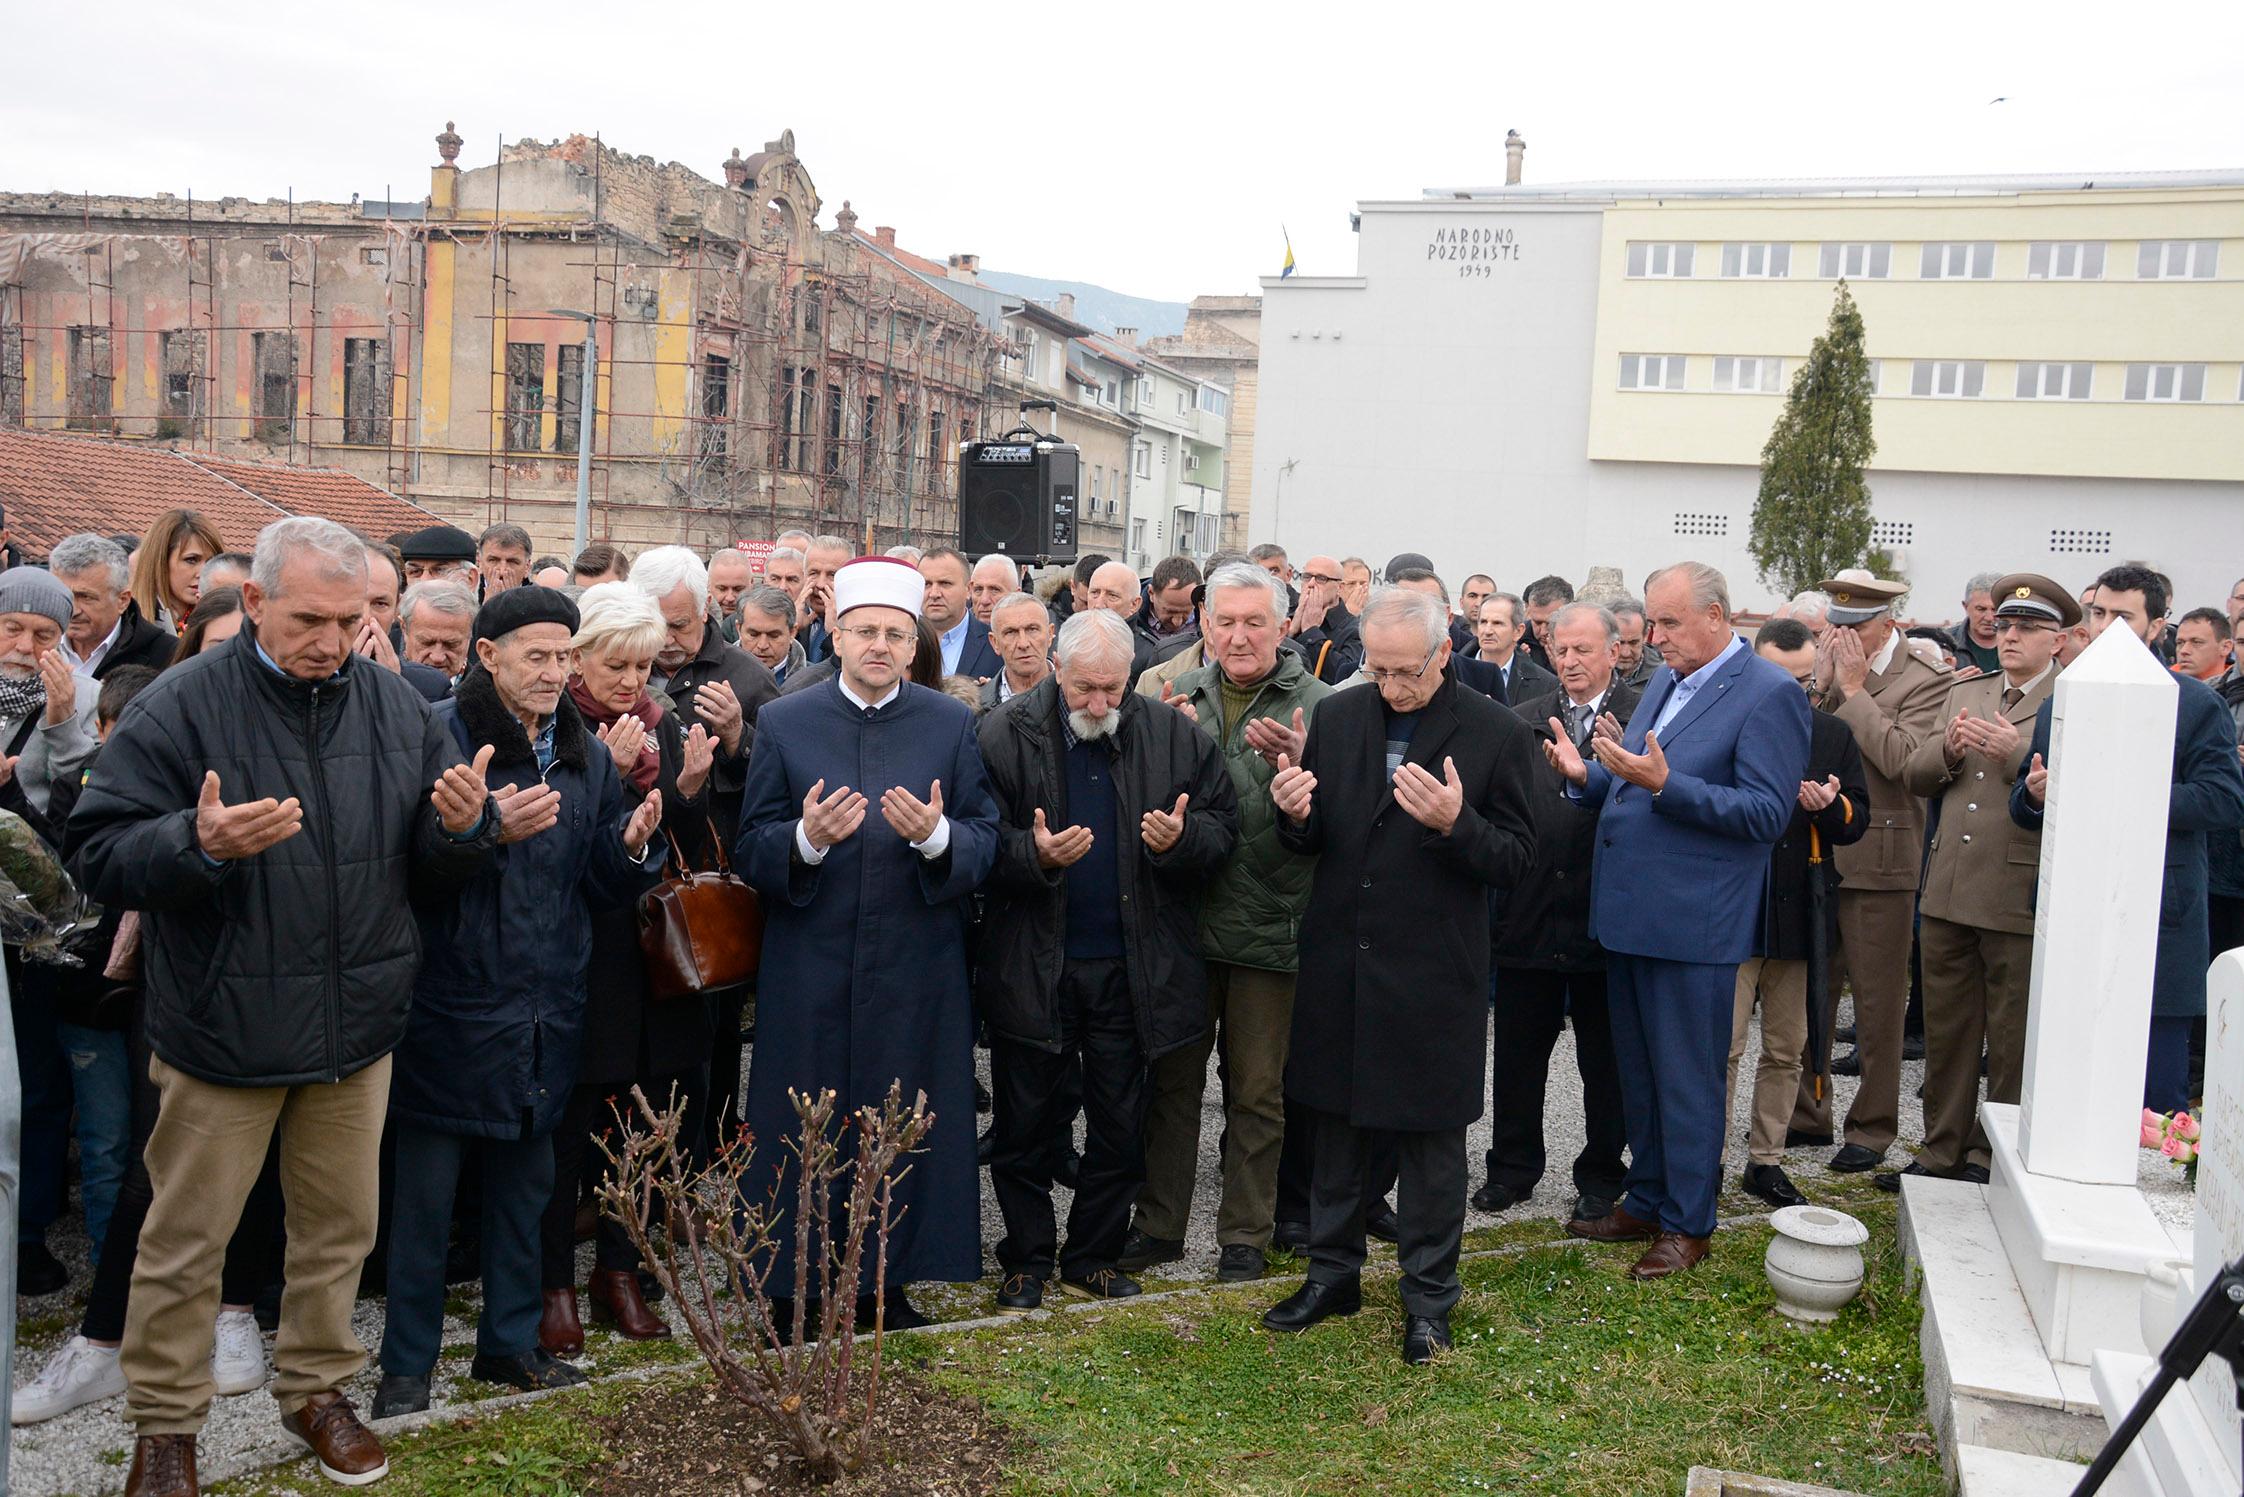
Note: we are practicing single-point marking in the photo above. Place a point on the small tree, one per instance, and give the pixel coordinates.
(805, 1377)
(1812, 515)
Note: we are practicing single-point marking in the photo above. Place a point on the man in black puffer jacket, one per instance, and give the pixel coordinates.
(1114, 813)
(271, 808)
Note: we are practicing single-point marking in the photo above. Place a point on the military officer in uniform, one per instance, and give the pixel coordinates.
(1977, 938)
(1892, 700)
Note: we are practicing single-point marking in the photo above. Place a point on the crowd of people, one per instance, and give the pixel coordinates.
(370, 824)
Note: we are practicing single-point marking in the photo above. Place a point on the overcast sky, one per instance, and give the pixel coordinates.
(1153, 148)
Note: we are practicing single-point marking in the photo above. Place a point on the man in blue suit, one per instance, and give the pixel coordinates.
(965, 639)
(1693, 795)
(2207, 798)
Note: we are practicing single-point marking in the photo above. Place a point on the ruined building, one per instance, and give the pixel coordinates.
(753, 371)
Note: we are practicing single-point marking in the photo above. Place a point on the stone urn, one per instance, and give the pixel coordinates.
(2166, 1294)
(1814, 1262)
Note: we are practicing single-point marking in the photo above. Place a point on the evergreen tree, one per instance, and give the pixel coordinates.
(1812, 516)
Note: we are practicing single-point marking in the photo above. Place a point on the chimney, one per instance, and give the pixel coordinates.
(1126, 336)
(1515, 147)
(1066, 306)
(885, 236)
(444, 177)
(736, 170)
(967, 268)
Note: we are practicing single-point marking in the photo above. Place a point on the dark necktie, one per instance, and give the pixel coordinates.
(2011, 696)
(1577, 720)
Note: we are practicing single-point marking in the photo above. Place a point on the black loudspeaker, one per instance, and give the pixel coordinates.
(1017, 498)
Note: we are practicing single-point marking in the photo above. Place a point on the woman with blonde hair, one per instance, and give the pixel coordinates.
(167, 569)
(627, 1039)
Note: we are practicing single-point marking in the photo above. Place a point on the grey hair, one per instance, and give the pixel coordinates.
(1267, 551)
(1393, 604)
(786, 533)
(85, 551)
(1626, 607)
(505, 534)
(829, 543)
(1095, 634)
(1813, 601)
(1354, 561)
(437, 595)
(912, 554)
(786, 553)
(338, 554)
(732, 552)
(771, 600)
(1707, 584)
(665, 569)
(621, 612)
(1981, 582)
(1015, 600)
(1577, 610)
(1240, 574)
(1513, 600)
(1012, 571)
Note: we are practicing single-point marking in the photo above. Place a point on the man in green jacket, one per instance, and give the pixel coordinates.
(1256, 701)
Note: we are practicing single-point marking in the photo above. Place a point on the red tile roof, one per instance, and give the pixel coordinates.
(55, 485)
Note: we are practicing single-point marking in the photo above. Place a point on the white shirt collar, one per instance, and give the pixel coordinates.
(95, 655)
(1595, 703)
(862, 705)
(1885, 656)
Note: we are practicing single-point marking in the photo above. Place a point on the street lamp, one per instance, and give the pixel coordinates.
(588, 382)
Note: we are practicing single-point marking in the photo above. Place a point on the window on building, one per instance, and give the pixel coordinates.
(1958, 261)
(1145, 460)
(1137, 537)
(1098, 474)
(525, 395)
(1948, 378)
(1652, 371)
(91, 383)
(716, 405)
(568, 395)
(1112, 394)
(795, 420)
(811, 317)
(2054, 381)
(833, 460)
(1032, 369)
(181, 356)
(2177, 259)
(274, 354)
(1660, 259)
(2065, 260)
(1754, 376)
(1864, 261)
(11, 376)
(1181, 531)
(868, 432)
(366, 391)
(2165, 381)
(937, 458)
(1215, 401)
(1145, 393)
(1768, 261)
(1877, 373)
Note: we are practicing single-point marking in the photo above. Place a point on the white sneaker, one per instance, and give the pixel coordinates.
(237, 1354)
(79, 1374)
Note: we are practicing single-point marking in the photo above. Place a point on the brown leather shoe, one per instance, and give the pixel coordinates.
(328, 1426)
(1616, 1225)
(559, 1330)
(1671, 1252)
(616, 1301)
(163, 1466)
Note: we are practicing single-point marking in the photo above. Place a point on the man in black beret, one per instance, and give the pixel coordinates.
(443, 551)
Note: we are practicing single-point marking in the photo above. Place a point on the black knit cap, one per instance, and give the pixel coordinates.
(509, 610)
(435, 543)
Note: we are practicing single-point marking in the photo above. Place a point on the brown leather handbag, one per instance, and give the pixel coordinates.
(700, 930)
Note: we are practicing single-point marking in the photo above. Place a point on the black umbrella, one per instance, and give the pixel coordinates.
(1819, 957)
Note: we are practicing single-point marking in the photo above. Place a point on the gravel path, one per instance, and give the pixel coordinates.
(86, 1452)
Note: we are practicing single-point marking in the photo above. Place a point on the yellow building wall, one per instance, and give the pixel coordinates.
(2110, 323)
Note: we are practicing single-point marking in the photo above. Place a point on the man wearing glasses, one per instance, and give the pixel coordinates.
(867, 823)
(1413, 797)
(1977, 937)
(1323, 625)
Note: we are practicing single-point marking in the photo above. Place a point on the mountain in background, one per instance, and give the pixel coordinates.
(1095, 305)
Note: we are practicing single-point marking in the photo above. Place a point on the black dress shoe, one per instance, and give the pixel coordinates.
(1912, 1047)
(1290, 1237)
(38, 1271)
(1103, 1283)
(982, 1100)
(1140, 1252)
(1770, 1183)
(897, 1313)
(463, 1262)
(1020, 1293)
(783, 1319)
(1380, 1222)
(1423, 1335)
(1890, 1180)
(1241, 1263)
(1067, 1168)
(400, 1393)
(1313, 1302)
(534, 1369)
(1493, 1197)
(1589, 1208)
(1802, 1138)
(1843, 1035)
(1854, 1159)
(986, 1145)
(1849, 1064)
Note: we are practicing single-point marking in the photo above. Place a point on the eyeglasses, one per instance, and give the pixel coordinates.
(1384, 676)
(866, 634)
(2022, 626)
(1320, 577)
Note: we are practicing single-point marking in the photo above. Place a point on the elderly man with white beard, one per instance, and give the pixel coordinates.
(1113, 814)
(46, 709)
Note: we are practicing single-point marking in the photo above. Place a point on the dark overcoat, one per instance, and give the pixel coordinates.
(864, 975)
(1390, 1011)
(1543, 923)
(1787, 900)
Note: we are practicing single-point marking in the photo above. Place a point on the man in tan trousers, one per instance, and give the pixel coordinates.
(1977, 940)
(1892, 700)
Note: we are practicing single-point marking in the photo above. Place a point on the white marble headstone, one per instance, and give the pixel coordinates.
(2220, 1182)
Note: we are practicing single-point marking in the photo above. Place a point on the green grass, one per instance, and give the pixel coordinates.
(1567, 1377)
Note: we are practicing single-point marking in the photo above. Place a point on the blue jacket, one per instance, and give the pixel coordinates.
(1679, 877)
(2207, 797)
(491, 1043)
(977, 658)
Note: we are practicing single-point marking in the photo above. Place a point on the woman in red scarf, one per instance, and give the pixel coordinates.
(627, 1040)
